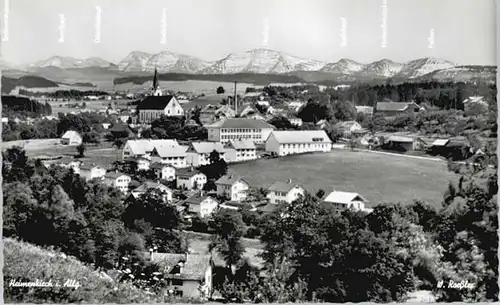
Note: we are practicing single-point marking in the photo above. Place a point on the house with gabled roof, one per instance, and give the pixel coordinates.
(240, 150)
(148, 186)
(290, 142)
(475, 105)
(118, 180)
(89, 172)
(173, 155)
(233, 187)
(187, 275)
(198, 153)
(163, 171)
(142, 162)
(71, 137)
(284, 192)
(341, 201)
(190, 178)
(239, 128)
(200, 204)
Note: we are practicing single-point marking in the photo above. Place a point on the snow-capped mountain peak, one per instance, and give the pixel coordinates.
(66, 62)
(419, 67)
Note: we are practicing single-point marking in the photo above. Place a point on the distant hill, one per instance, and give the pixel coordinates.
(26, 263)
(256, 79)
(8, 84)
(462, 74)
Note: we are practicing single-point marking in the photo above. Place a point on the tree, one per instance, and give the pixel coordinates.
(320, 193)
(281, 123)
(217, 167)
(81, 150)
(228, 228)
(220, 90)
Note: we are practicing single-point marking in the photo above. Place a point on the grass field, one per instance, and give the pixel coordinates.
(379, 178)
(94, 105)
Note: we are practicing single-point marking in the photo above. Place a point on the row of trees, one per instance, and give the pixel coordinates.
(16, 106)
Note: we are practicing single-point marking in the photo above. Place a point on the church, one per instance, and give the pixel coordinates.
(157, 104)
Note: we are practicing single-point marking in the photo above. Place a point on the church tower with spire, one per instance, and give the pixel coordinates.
(156, 91)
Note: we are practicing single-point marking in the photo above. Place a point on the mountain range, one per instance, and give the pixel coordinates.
(261, 61)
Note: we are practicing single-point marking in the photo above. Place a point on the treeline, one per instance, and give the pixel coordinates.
(313, 254)
(174, 128)
(28, 81)
(66, 94)
(88, 220)
(14, 105)
(257, 79)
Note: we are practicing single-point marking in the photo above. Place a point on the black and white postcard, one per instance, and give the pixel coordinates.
(249, 151)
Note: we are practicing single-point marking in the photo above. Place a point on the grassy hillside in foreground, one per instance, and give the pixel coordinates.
(27, 263)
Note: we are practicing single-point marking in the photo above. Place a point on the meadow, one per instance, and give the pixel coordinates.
(379, 178)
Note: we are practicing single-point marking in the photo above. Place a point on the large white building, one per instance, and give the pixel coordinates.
(144, 148)
(173, 155)
(198, 153)
(236, 129)
(285, 143)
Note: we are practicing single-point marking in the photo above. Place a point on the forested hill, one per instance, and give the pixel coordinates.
(9, 84)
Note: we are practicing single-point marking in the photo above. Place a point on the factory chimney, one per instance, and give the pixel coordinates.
(235, 99)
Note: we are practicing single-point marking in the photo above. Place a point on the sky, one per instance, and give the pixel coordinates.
(462, 31)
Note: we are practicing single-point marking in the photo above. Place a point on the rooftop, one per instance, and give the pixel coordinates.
(114, 175)
(301, 136)
(229, 179)
(186, 172)
(241, 123)
(207, 147)
(196, 199)
(242, 144)
(194, 265)
(393, 106)
(280, 186)
(150, 185)
(155, 102)
(171, 151)
(343, 197)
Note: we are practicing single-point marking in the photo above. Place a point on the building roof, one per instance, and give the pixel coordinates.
(242, 144)
(400, 139)
(187, 172)
(194, 267)
(70, 134)
(348, 124)
(393, 106)
(229, 179)
(158, 165)
(155, 102)
(343, 197)
(241, 123)
(150, 185)
(114, 175)
(140, 147)
(196, 199)
(474, 99)
(207, 147)
(364, 108)
(440, 142)
(301, 136)
(89, 167)
(280, 186)
(171, 151)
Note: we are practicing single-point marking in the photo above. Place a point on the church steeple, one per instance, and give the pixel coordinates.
(156, 86)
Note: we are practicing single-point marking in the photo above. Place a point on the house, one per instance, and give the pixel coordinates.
(295, 121)
(124, 116)
(248, 110)
(367, 110)
(190, 178)
(200, 204)
(143, 163)
(390, 109)
(341, 201)
(106, 125)
(263, 103)
(284, 192)
(117, 180)
(186, 275)
(457, 148)
(153, 107)
(163, 171)
(71, 137)
(173, 155)
(91, 172)
(198, 153)
(475, 105)
(348, 128)
(289, 142)
(238, 128)
(240, 150)
(295, 105)
(322, 124)
(143, 148)
(147, 186)
(232, 187)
